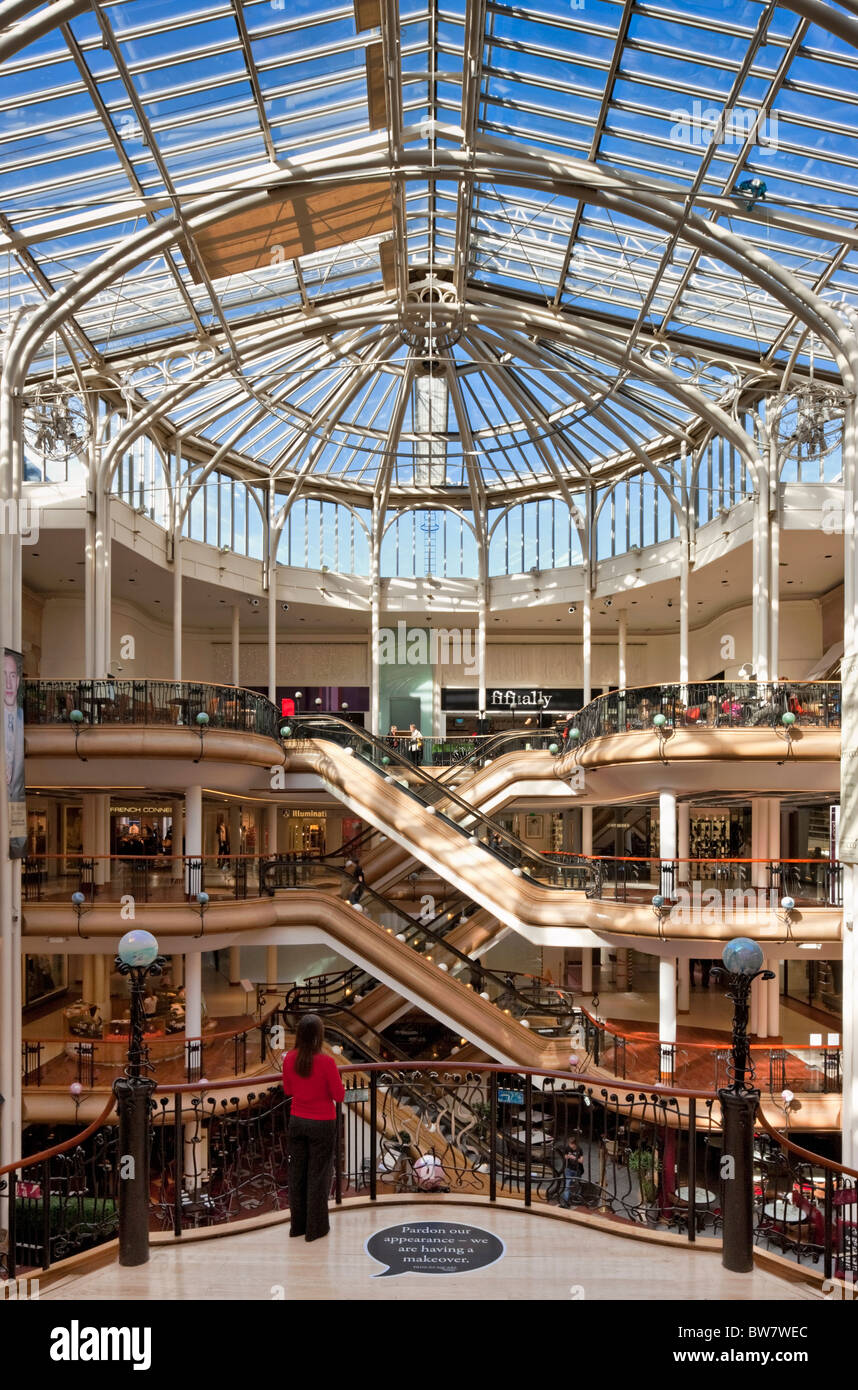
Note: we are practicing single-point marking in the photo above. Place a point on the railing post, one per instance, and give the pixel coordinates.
(179, 1170)
(46, 1214)
(338, 1155)
(493, 1136)
(11, 1227)
(692, 1170)
(373, 1136)
(828, 1217)
(738, 1112)
(528, 1138)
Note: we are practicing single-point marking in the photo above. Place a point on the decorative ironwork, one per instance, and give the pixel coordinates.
(808, 421)
(56, 423)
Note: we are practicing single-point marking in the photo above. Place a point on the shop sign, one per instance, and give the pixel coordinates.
(554, 698)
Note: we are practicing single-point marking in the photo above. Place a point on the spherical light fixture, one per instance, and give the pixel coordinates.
(137, 948)
(741, 956)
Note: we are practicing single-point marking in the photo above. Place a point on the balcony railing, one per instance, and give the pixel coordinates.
(711, 705)
(748, 886)
(640, 1058)
(147, 702)
(649, 1159)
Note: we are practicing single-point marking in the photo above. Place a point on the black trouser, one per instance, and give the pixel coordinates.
(311, 1156)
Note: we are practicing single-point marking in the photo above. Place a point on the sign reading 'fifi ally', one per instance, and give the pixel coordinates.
(433, 1247)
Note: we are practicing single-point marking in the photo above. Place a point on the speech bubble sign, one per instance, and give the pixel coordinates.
(433, 1247)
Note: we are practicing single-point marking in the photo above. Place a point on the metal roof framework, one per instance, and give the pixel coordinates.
(571, 257)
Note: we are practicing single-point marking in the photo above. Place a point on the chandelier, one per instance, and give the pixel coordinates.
(56, 423)
(808, 421)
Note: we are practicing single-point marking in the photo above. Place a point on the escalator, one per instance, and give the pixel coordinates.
(396, 957)
(440, 940)
(434, 824)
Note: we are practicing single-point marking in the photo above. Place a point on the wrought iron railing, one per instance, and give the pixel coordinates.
(638, 1056)
(146, 702)
(749, 885)
(710, 705)
(95, 1051)
(649, 1158)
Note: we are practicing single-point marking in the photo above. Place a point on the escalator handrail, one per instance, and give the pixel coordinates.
(322, 723)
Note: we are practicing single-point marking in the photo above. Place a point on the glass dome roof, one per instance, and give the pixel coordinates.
(458, 274)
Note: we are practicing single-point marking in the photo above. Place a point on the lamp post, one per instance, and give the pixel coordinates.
(137, 958)
(743, 961)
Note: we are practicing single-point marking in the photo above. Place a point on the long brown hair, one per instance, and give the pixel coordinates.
(309, 1036)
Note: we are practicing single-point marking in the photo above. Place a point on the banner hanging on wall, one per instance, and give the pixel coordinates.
(13, 734)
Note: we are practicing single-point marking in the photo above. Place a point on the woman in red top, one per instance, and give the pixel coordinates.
(313, 1081)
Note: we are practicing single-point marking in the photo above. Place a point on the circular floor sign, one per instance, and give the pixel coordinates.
(433, 1247)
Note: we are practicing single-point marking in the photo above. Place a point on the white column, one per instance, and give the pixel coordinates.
(759, 841)
(273, 538)
(235, 965)
(272, 636)
(177, 606)
(622, 631)
(667, 1001)
(586, 970)
(193, 994)
(193, 831)
(683, 985)
(236, 644)
(667, 840)
(88, 825)
(586, 830)
(773, 999)
(760, 1005)
(761, 582)
(773, 848)
(622, 969)
(374, 657)
(775, 604)
(103, 973)
(482, 606)
(683, 841)
(271, 965)
(102, 584)
(234, 828)
(586, 643)
(272, 822)
(683, 613)
(178, 831)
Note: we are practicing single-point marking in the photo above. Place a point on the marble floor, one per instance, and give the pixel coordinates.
(540, 1259)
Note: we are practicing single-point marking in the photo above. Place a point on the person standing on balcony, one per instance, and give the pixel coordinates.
(415, 744)
(313, 1081)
